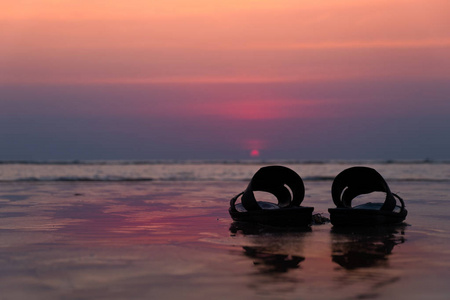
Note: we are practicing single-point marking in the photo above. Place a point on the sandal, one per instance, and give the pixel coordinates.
(287, 186)
(356, 181)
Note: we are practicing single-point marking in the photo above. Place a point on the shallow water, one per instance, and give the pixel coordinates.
(171, 239)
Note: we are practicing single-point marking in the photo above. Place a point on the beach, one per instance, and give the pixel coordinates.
(128, 128)
(162, 231)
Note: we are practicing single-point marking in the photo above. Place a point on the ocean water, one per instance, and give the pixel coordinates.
(210, 170)
(161, 230)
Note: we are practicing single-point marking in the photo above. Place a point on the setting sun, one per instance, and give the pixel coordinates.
(254, 153)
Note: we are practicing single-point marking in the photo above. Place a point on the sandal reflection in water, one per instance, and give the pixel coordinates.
(354, 248)
(272, 250)
(269, 262)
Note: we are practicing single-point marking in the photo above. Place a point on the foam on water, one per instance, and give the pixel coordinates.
(210, 170)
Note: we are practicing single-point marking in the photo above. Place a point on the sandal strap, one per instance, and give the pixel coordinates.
(356, 181)
(233, 202)
(277, 180)
(402, 208)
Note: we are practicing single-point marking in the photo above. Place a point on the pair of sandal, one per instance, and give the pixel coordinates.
(287, 186)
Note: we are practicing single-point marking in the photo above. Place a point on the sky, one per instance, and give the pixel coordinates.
(197, 79)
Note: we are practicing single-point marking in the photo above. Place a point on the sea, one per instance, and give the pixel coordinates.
(215, 170)
(161, 230)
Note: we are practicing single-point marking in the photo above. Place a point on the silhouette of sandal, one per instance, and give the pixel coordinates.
(356, 181)
(287, 186)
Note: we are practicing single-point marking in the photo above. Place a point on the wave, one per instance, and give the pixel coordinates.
(207, 170)
(80, 179)
(179, 179)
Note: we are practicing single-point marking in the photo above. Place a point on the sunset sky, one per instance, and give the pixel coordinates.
(197, 79)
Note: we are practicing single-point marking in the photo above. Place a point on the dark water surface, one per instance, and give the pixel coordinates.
(175, 239)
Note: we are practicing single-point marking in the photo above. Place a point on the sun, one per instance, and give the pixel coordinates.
(254, 153)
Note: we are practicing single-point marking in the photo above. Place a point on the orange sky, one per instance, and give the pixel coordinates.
(146, 41)
(234, 47)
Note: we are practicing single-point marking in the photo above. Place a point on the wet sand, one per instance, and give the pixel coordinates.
(168, 240)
